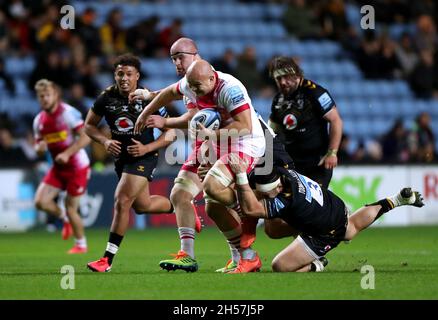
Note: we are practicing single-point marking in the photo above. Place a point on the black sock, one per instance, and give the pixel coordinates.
(386, 206)
(114, 240)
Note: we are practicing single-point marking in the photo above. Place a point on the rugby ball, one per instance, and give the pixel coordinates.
(209, 118)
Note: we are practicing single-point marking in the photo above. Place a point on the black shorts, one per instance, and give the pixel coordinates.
(318, 246)
(143, 167)
(318, 174)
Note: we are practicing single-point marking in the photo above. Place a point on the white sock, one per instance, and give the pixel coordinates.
(248, 254)
(233, 238)
(398, 200)
(187, 237)
(64, 216)
(81, 242)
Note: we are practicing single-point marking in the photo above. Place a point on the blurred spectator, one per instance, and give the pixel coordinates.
(394, 144)
(300, 20)
(246, 70)
(426, 37)
(3, 33)
(423, 79)
(51, 68)
(406, 55)
(344, 155)
(88, 32)
(112, 34)
(422, 140)
(143, 37)
(333, 19)
(76, 98)
(225, 63)
(376, 56)
(7, 79)
(11, 155)
(169, 35)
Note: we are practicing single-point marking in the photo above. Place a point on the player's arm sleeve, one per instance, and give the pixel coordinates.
(36, 129)
(236, 100)
(74, 119)
(275, 207)
(323, 100)
(99, 105)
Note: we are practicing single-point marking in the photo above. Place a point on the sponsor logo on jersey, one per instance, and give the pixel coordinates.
(237, 95)
(140, 168)
(290, 121)
(138, 106)
(325, 100)
(55, 137)
(124, 108)
(124, 124)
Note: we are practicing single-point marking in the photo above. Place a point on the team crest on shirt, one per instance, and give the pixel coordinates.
(290, 121)
(124, 124)
(138, 106)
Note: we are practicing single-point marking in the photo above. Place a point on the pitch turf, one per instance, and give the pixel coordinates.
(405, 262)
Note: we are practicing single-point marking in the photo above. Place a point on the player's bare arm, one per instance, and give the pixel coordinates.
(181, 122)
(330, 160)
(41, 148)
(165, 97)
(113, 147)
(249, 203)
(80, 143)
(142, 94)
(138, 149)
(241, 126)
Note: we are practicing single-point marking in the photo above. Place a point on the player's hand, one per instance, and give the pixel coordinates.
(202, 132)
(329, 161)
(62, 158)
(113, 147)
(203, 169)
(140, 124)
(155, 121)
(41, 147)
(138, 149)
(139, 94)
(237, 164)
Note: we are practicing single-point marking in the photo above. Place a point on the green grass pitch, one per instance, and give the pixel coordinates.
(405, 261)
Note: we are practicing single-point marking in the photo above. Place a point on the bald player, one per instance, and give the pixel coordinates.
(206, 88)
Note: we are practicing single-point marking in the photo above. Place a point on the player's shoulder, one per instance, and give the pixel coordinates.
(107, 93)
(312, 87)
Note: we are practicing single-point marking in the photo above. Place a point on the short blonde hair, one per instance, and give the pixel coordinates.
(43, 84)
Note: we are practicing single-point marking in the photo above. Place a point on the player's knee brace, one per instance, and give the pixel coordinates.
(187, 185)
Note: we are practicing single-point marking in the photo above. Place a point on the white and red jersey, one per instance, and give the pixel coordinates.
(229, 97)
(58, 131)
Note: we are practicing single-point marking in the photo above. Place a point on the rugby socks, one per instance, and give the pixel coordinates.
(236, 207)
(233, 238)
(187, 237)
(81, 242)
(248, 254)
(386, 204)
(112, 246)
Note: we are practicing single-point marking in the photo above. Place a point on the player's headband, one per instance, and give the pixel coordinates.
(283, 72)
(266, 187)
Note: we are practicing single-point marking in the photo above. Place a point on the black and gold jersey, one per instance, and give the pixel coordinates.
(121, 117)
(298, 118)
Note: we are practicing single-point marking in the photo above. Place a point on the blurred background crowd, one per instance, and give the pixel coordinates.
(384, 81)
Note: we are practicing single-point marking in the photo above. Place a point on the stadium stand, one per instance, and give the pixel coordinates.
(368, 106)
